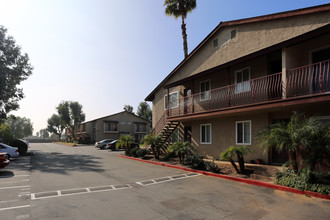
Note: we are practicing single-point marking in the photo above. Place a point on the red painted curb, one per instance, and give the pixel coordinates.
(237, 179)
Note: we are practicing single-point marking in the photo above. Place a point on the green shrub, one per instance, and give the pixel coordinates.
(304, 180)
(168, 155)
(194, 161)
(142, 152)
(211, 167)
(21, 145)
(133, 152)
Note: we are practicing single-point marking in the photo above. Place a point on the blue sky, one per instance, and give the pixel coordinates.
(106, 53)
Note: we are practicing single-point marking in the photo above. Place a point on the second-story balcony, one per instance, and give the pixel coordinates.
(308, 80)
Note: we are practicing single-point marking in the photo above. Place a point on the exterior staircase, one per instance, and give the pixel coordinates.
(167, 131)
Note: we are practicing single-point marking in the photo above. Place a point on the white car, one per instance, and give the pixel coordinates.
(103, 144)
(10, 151)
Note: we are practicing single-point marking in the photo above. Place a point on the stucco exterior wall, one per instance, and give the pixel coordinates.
(224, 134)
(127, 124)
(301, 54)
(249, 38)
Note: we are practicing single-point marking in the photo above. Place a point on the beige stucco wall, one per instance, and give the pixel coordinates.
(250, 38)
(300, 54)
(224, 134)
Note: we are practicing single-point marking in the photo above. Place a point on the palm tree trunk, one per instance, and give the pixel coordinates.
(293, 161)
(234, 165)
(240, 160)
(184, 36)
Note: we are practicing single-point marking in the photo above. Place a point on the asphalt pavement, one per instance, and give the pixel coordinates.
(61, 182)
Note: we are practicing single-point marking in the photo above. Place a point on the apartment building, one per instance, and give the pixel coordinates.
(112, 127)
(245, 75)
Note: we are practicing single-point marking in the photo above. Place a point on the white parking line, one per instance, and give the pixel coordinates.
(15, 187)
(15, 207)
(25, 180)
(88, 190)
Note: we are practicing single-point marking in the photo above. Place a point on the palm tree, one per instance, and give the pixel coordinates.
(125, 142)
(154, 142)
(180, 8)
(239, 151)
(181, 149)
(290, 136)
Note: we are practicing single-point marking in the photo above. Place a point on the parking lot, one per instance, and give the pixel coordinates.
(61, 182)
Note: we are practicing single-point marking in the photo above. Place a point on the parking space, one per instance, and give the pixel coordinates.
(61, 182)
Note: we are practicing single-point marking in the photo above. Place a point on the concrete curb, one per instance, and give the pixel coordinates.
(237, 179)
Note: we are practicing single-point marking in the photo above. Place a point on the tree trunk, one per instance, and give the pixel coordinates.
(240, 160)
(72, 132)
(234, 165)
(293, 161)
(184, 36)
(180, 157)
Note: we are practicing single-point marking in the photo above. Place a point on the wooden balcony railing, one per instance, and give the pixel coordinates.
(257, 90)
(310, 79)
(306, 80)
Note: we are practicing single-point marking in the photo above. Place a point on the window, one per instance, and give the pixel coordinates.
(243, 80)
(233, 34)
(111, 126)
(141, 127)
(215, 43)
(139, 137)
(243, 132)
(174, 100)
(205, 134)
(205, 90)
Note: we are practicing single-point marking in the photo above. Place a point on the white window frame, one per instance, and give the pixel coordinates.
(105, 127)
(206, 92)
(165, 100)
(200, 132)
(236, 135)
(244, 86)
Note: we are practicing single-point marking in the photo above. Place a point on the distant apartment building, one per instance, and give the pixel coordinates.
(111, 127)
(245, 75)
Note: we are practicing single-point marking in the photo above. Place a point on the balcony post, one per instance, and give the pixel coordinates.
(193, 96)
(284, 68)
(168, 101)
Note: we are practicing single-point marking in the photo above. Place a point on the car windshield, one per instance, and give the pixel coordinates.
(5, 145)
(113, 142)
(103, 141)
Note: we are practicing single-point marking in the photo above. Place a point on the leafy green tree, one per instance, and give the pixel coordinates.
(181, 149)
(55, 125)
(5, 133)
(44, 133)
(180, 8)
(14, 68)
(239, 152)
(144, 111)
(155, 143)
(298, 133)
(128, 108)
(71, 115)
(125, 142)
(20, 126)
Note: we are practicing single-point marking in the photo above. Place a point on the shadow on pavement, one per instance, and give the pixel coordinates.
(63, 163)
(6, 174)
